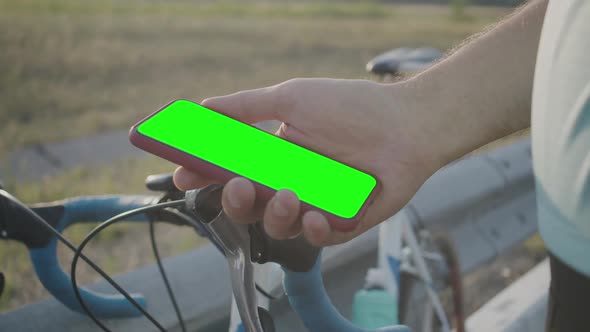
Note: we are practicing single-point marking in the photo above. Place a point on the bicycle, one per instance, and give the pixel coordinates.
(39, 227)
(264, 249)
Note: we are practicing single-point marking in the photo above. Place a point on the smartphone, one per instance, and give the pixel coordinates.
(220, 147)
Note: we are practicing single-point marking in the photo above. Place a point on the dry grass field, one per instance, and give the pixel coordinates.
(72, 68)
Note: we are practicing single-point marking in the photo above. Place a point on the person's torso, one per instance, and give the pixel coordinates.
(561, 131)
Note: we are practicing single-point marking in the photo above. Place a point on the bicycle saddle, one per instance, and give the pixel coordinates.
(388, 62)
(403, 60)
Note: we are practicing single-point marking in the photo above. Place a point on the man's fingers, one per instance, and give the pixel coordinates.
(186, 180)
(250, 106)
(316, 228)
(238, 200)
(281, 215)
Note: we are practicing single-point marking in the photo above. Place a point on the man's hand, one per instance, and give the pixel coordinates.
(360, 123)
(400, 133)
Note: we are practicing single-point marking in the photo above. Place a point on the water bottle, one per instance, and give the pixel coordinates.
(373, 306)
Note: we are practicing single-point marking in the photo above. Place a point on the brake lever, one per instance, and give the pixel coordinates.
(234, 240)
(244, 244)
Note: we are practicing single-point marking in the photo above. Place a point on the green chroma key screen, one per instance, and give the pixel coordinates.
(261, 157)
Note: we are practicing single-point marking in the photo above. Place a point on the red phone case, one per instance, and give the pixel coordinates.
(222, 175)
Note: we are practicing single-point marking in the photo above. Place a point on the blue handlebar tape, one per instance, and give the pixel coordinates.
(100, 208)
(308, 297)
(60, 286)
(58, 283)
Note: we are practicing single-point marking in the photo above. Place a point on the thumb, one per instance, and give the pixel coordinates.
(249, 106)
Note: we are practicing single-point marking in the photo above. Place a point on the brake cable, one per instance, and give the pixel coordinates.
(164, 275)
(78, 254)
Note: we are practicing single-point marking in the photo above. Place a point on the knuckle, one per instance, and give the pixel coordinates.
(243, 108)
(285, 97)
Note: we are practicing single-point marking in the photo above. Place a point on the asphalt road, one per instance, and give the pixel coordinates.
(35, 162)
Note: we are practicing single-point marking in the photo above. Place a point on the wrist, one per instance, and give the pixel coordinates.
(414, 116)
(433, 109)
(450, 121)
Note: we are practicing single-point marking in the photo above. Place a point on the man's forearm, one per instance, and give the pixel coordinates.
(483, 90)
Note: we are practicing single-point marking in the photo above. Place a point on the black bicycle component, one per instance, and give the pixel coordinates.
(164, 183)
(205, 203)
(388, 62)
(295, 254)
(268, 325)
(18, 224)
(403, 60)
(2, 283)
(161, 183)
